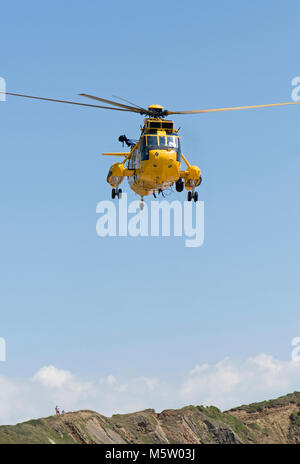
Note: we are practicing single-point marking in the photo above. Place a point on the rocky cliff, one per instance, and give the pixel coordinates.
(274, 421)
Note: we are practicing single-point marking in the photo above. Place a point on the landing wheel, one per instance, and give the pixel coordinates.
(179, 185)
(192, 196)
(116, 193)
(142, 204)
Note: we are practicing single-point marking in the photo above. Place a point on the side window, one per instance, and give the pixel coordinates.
(136, 159)
(179, 150)
(130, 162)
(138, 156)
(144, 150)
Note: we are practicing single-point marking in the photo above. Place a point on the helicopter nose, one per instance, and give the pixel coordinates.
(163, 155)
(164, 161)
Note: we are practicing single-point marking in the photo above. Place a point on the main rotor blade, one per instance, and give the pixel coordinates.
(127, 101)
(233, 108)
(63, 101)
(110, 102)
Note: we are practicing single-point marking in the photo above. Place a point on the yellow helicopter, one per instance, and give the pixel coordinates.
(154, 162)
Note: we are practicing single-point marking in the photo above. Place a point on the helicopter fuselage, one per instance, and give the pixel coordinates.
(154, 162)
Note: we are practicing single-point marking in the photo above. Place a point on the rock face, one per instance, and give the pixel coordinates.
(274, 421)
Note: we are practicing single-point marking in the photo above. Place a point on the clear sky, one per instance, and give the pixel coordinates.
(114, 310)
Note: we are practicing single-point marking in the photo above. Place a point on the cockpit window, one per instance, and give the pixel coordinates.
(171, 142)
(151, 140)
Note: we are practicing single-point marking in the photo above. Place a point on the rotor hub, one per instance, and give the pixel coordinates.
(157, 111)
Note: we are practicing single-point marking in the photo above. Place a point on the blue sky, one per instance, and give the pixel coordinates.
(148, 307)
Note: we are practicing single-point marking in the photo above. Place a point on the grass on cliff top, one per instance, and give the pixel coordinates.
(37, 431)
(291, 398)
